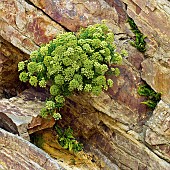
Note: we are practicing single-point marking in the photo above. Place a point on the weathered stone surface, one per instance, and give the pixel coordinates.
(157, 76)
(68, 159)
(9, 58)
(25, 26)
(22, 112)
(120, 137)
(153, 19)
(107, 138)
(158, 130)
(74, 14)
(122, 102)
(17, 153)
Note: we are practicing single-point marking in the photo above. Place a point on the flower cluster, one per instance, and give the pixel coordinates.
(72, 62)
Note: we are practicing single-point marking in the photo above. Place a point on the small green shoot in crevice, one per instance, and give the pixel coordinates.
(67, 140)
(152, 97)
(139, 42)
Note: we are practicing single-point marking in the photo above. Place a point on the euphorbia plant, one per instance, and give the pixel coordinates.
(72, 62)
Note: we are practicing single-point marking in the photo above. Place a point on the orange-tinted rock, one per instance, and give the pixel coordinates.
(115, 124)
(25, 26)
(38, 123)
(17, 153)
(158, 130)
(9, 77)
(153, 21)
(74, 14)
(105, 137)
(157, 75)
(23, 113)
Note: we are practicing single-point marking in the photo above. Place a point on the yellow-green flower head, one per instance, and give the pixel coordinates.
(81, 42)
(32, 67)
(23, 76)
(21, 66)
(97, 35)
(88, 88)
(110, 37)
(42, 83)
(59, 80)
(88, 64)
(56, 116)
(40, 68)
(87, 48)
(50, 105)
(55, 90)
(79, 78)
(34, 56)
(47, 60)
(33, 81)
(103, 44)
(96, 90)
(74, 84)
(68, 73)
(117, 59)
(110, 82)
(60, 99)
(100, 81)
(87, 72)
(96, 43)
(96, 57)
(67, 61)
(70, 50)
(44, 50)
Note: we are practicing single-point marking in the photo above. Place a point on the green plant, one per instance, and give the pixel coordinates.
(67, 140)
(139, 42)
(152, 97)
(72, 62)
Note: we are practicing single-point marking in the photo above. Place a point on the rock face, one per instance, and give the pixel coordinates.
(20, 114)
(157, 133)
(158, 77)
(74, 14)
(119, 142)
(9, 58)
(25, 26)
(15, 152)
(153, 19)
(115, 127)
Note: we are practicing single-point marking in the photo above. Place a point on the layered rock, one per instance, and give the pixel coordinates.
(153, 19)
(15, 152)
(157, 131)
(157, 75)
(9, 58)
(115, 142)
(20, 115)
(25, 26)
(115, 127)
(74, 14)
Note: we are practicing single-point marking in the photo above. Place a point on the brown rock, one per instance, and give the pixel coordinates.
(114, 125)
(25, 26)
(123, 102)
(74, 14)
(17, 153)
(9, 58)
(107, 139)
(158, 77)
(23, 111)
(158, 130)
(153, 21)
